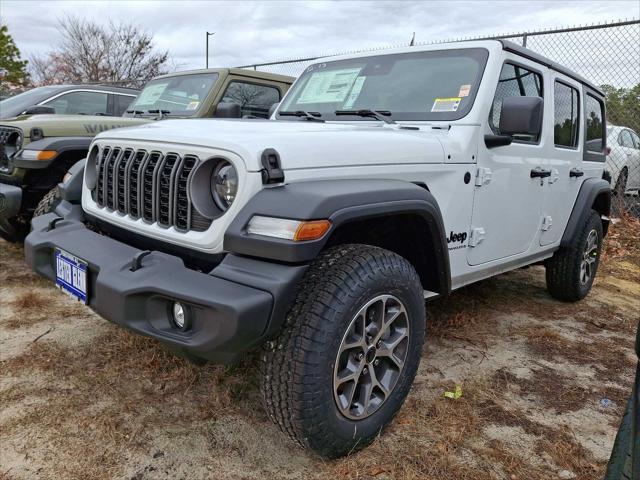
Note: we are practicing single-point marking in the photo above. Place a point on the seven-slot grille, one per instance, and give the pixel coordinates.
(10, 142)
(148, 184)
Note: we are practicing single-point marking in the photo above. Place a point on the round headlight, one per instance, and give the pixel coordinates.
(224, 184)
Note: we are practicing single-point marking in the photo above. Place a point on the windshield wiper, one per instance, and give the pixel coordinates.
(313, 116)
(135, 112)
(160, 113)
(377, 114)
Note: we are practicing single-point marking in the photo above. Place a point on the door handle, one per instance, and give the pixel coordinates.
(574, 172)
(540, 173)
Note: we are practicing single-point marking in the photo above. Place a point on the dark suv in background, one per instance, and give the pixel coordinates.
(69, 99)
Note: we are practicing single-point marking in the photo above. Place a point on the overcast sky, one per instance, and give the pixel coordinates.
(249, 32)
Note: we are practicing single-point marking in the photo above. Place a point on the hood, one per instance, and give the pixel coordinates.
(70, 125)
(301, 144)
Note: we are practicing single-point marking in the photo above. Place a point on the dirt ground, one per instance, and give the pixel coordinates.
(544, 385)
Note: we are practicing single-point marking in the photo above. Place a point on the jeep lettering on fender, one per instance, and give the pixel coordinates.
(317, 236)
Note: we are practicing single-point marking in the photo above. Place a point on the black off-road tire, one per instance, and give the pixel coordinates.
(48, 203)
(563, 270)
(298, 366)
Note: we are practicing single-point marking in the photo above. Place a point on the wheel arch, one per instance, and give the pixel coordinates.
(360, 211)
(594, 194)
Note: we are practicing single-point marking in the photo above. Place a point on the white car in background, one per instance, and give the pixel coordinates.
(623, 160)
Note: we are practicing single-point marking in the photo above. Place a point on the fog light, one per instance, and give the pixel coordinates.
(179, 315)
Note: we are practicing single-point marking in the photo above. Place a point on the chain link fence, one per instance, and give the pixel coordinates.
(607, 54)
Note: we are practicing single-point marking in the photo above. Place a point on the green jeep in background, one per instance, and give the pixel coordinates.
(37, 150)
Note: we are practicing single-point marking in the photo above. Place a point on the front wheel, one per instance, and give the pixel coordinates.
(345, 360)
(48, 203)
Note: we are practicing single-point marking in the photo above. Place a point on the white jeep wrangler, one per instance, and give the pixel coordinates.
(382, 180)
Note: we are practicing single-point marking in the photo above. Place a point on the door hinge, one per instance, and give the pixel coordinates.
(546, 223)
(476, 237)
(483, 176)
(555, 175)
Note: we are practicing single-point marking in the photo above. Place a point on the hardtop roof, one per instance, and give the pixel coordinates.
(235, 71)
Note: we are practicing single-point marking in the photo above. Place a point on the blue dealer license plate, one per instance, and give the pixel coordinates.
(71, 275)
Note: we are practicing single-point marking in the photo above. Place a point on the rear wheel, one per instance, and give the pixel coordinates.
(571, 271)
(345, 360)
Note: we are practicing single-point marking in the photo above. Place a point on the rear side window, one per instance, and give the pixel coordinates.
(254, 100)
(636, 140)
(515, 81)
(565, 115)
(594, 120)
(122, 103)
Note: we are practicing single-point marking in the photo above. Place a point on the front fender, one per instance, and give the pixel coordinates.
(60, 145)
(339, 201)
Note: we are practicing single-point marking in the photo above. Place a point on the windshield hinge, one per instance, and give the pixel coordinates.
(271, 169)
(483, 176)
(476, 237)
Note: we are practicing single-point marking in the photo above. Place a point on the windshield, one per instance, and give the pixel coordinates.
(14, 106)
(182, 95)
(436, 85)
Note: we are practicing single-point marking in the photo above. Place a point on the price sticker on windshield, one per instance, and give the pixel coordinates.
(446, 104)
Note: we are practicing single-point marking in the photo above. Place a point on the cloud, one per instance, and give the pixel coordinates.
(249, 32)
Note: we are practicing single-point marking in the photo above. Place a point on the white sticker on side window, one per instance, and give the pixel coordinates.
(328, 86)
(354, 93)
(446, 104)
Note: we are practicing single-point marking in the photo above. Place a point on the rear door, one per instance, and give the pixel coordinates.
(565, 159)
(507, 201)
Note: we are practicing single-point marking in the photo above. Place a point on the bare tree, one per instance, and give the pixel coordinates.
(91, 52)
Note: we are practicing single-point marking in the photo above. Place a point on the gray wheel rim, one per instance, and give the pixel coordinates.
(589, 257)
(371, 357)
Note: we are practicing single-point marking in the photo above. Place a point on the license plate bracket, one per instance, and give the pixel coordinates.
(71, 275)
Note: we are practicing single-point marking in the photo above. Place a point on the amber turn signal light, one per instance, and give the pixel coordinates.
(312, 230)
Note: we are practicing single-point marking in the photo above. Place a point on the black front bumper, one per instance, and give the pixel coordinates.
(10, 202)
(234, 307)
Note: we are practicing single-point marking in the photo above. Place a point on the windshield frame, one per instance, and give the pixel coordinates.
(178, 113)
(480, 54)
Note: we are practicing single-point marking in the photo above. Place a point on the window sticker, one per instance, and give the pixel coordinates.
(151, 94)
(354, 93)
(446, 104)
(328, 87)
(464, 90)
(193, 105)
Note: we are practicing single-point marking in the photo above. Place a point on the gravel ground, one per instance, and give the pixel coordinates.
(544, 386)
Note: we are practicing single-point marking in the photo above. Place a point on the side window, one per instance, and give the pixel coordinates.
(636, 140)
(565, 115)
(594, 114)
(88, 103)
(254, 100)
(515, 81)
(122, 102)
(625, 140)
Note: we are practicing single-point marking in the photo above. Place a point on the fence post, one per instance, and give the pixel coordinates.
(524, 40)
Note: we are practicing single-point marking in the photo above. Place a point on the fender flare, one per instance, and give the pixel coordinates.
(339, 201)
(590, 189)
(58, 144)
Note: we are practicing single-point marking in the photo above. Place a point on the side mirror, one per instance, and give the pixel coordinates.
(521, 116)
(272, 109)
(39, 110)
(228, 110)
(518, 116)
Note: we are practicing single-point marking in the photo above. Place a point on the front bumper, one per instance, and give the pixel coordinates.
(10, 202)
(232, 308)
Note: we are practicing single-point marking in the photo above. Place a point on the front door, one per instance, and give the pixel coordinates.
(508, 201)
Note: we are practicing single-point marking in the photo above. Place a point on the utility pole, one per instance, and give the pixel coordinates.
(209, 34)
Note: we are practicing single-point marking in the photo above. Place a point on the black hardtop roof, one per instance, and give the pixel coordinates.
(536, 57)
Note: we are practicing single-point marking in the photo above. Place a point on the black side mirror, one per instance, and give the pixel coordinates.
(228, 110)
(518, 116)
(39, 110)
(272, 109)
(521, 116)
